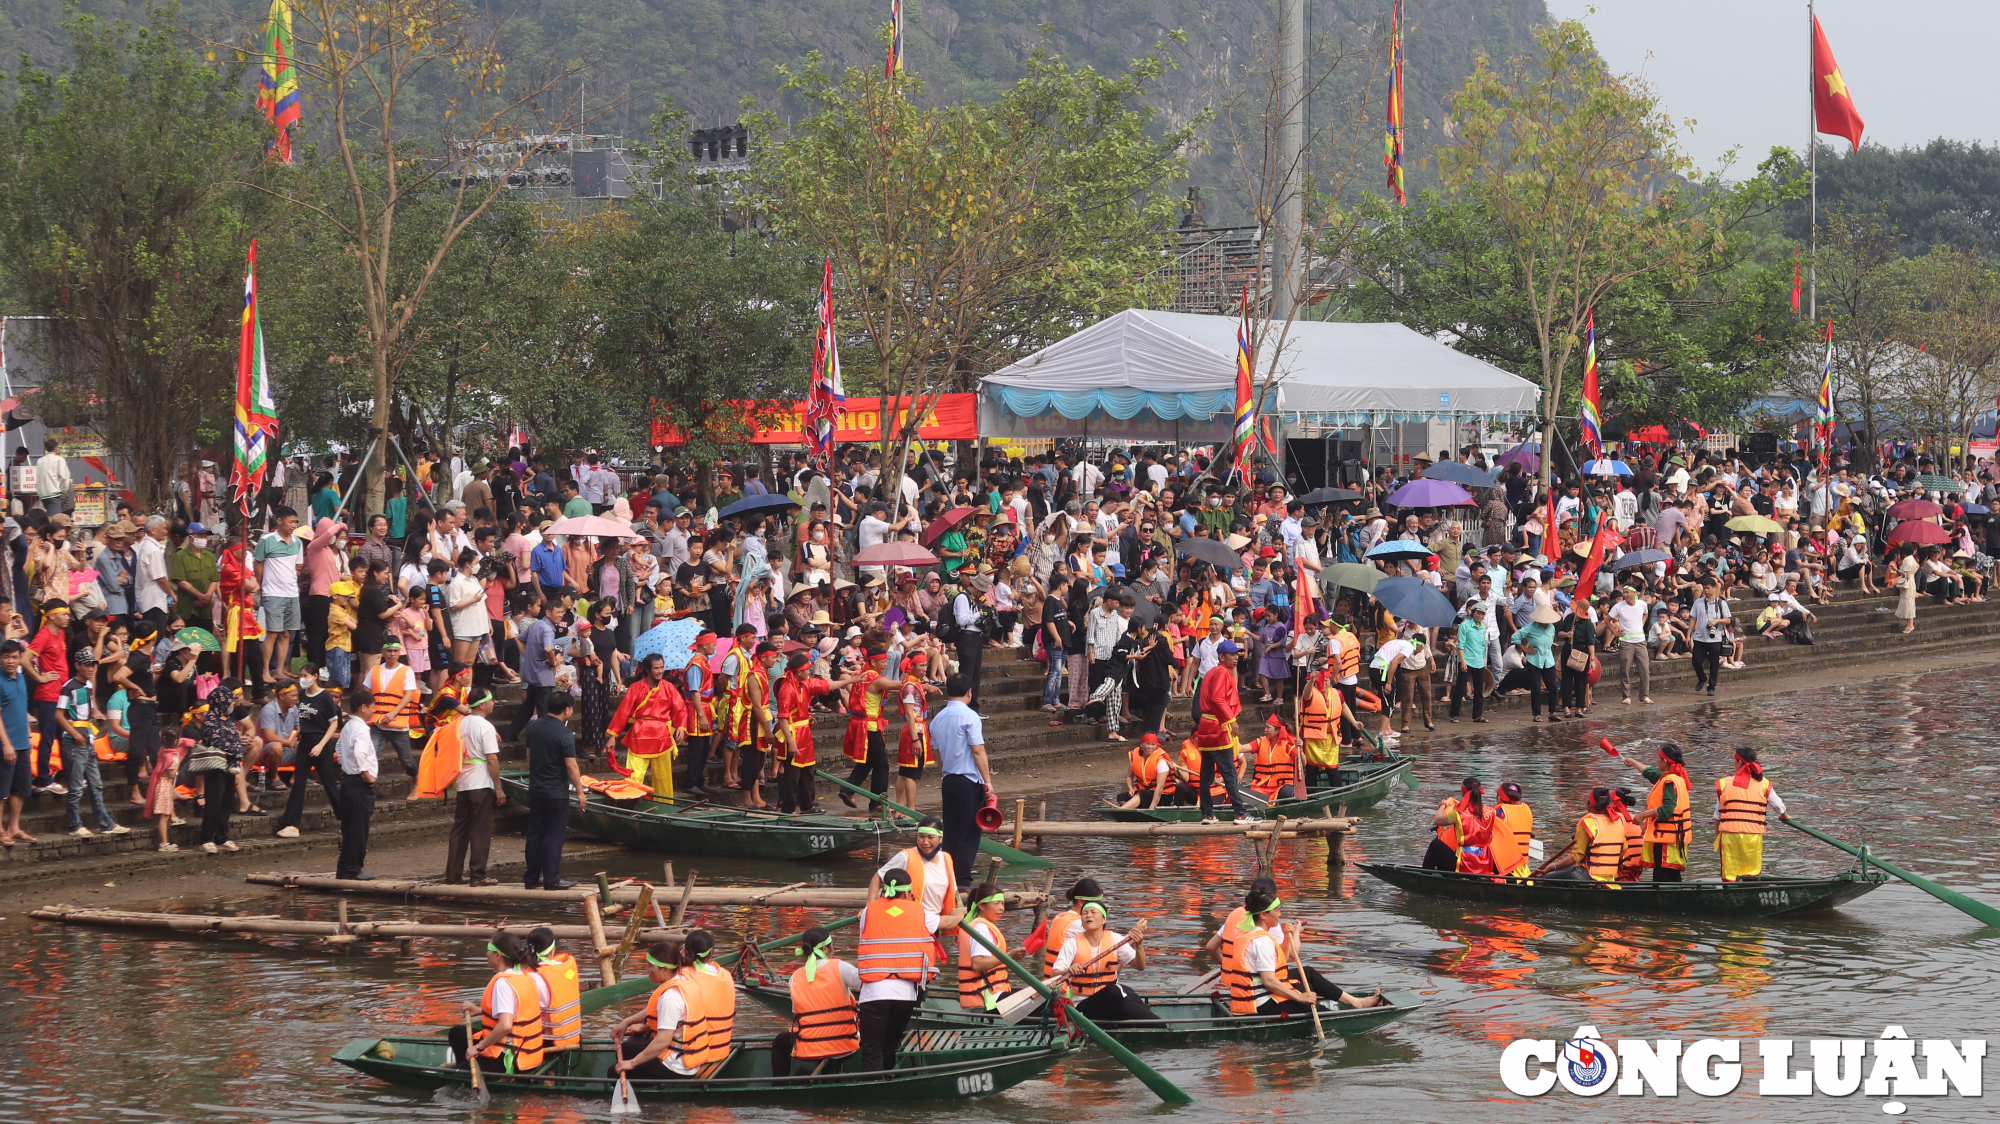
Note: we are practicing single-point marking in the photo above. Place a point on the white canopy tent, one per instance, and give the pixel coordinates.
(1143, 375)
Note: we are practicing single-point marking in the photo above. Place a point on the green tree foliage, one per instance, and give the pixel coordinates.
(114, 222)
(1945, 193)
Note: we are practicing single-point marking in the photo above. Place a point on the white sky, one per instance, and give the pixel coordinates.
(1917, 69)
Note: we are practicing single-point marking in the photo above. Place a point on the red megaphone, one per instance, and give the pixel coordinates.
(988, 817)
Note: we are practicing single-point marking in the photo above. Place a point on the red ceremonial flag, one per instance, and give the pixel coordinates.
(1607, 533)
(1798, 282)
(1833, 110)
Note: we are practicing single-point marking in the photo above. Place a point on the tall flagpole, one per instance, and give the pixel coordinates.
(1812, 148)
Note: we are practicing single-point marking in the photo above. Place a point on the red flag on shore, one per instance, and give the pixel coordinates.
(1833, 110)
(1607, 533)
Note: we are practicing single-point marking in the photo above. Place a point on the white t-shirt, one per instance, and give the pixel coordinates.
(471, 622)
(668, 1011)
(479, 741)
(1068, 955)
(1629, 618)
(1388, 652)
(936, 883)
(503, 997)
(1277, 935)
(1261, 954)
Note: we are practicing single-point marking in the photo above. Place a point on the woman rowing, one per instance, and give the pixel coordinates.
(1255, 950)
(826, 1021)
(1743, 804)
(690, 1019)
(1597, 849)
(509, 1010)
(982, 978)
(1087, 968)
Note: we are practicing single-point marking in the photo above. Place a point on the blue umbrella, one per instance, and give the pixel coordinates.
(758, 505)
(1975, 509)
(673, 640)
(1414, 600)
(1458, 472)
(1430, 493)
(1640, 558)
(1400, 548)
(1605, 466)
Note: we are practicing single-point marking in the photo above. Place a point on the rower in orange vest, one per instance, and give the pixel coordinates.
(1597, 848)
(509, 1010)
(690, 1020)
(1049, 938)
(1442, 854)
(1269, 977)
(982, 978)
(1483, 842)
(1521, 821)
(1668, 820)
(562, 1017)
(1149, 775)
(1632, 864)
(1271, 760)
(1088, 966)
(826, 1022)
(1742, 806)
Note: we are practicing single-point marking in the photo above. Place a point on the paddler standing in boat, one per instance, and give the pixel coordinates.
(826, 1023)
(1321, 713)
(898, 953)
(1742, 806)
(645, 719)
(690, 1019)
(1598, 847)
(509, 1010)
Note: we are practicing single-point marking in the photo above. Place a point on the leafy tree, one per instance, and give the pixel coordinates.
(1578, 174)
(963, 236)
(112, 223)
(1863, 285)
(1955, 324)
(1938, 194)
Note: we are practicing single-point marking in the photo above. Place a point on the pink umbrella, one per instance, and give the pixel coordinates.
(895, 554)
(592, 526)
(1919, 532)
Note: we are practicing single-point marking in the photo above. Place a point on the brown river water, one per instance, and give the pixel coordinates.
(114, 1026)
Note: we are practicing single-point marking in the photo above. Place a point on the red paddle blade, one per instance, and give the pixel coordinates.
(1605, 745)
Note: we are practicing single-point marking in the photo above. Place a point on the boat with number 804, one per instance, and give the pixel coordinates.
(947, 1064)
(696, 827)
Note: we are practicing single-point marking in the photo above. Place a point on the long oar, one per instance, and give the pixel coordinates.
(1970, 906)
(598, 998)
(993, 847)
(472, 1063)
(1305, 985)
(1162, 1088)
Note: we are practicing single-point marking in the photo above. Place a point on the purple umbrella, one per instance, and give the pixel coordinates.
(1430, 493)
(1520, 455)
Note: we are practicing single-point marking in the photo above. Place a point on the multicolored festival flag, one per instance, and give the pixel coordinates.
(256, 413)
(1392, 143)
(1833, 110)
(1823, 407)
(825, 397)
(1591, 416)
(894, 64)
(278, 81)
(1798, 282)
(1246, 414)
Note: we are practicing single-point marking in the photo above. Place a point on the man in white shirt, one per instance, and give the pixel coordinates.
(875, 530)
(1625, 508)
(358, 769)
(151, 592)
(52, 480)
(478, 791)
(279, 555)
(1628, 622)
(1087, 477)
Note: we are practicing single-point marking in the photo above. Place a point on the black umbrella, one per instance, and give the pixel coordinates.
(1211, 552)
(1458, 472)
(758, 505)
(1144, 611)
(1640, 558)
(1328, 495)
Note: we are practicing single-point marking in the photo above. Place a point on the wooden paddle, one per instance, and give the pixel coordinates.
(992, 847)
(1305, 985)
(472, 1063)
(623, 1103)
(1202, 984)
(1162, 1088)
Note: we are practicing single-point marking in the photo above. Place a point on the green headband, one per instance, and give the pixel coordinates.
(998, 897)
(1087, 899)
(1096, 905)
(491, 947)
(930, 831)
(482, 700)
(656, 961)
(1246, 924)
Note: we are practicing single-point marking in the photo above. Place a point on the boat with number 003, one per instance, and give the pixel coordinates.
(931, 1065)
(1748, 897)
(697, 827)
(1357, 783)
(1191, 1020)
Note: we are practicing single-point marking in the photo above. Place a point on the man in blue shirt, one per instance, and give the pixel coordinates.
(959, 735)
(546, 561)
(14, 747)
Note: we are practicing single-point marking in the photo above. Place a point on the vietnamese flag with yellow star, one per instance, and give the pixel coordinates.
(1833, 110)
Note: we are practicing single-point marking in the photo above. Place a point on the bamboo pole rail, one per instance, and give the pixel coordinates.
(798, 894)
(281, 927)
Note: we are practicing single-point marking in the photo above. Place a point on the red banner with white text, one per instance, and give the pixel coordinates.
(952, 417)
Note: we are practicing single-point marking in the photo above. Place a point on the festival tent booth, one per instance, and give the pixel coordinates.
(1146, 376)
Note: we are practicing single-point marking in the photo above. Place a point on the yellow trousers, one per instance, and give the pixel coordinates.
(1742, 854)
(1673, 854)
(656, 772)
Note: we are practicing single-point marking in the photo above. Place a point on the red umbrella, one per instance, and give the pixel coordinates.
(896, 554)
(1919, 532)
(946, 522)
(1650, 435)
(1915, 509)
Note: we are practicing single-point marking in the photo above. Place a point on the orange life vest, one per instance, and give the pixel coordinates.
(521, 1048)
(1145, 765)
(1316, 716)
(980, 990)
(1349, 659)
(709, 1023)
(393, 708)
(1520, 819)
(1095, 966)
(895, 944)
(828, 1020)
(1246, 988)
(1743, 809)
(1059, 927)
(1191, 761)
(1677, 828)
(1277, 763)
(1606, 852)
(1446, 833)
(563, 1021)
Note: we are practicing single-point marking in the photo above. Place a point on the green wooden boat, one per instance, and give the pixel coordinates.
(1758, 897)
(1192, 1020)
(692, 827)
(1357, 783)
(961, 1063)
